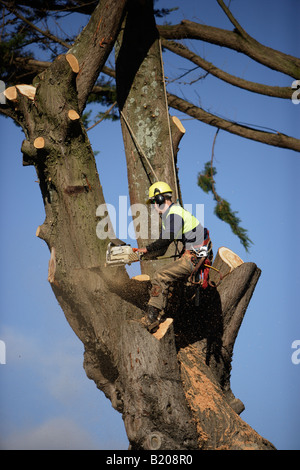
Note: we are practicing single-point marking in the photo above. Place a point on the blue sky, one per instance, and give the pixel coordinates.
(46, 400)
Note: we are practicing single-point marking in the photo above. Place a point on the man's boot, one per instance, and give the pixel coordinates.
(152, 319)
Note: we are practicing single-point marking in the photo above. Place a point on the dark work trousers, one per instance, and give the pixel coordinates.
(179, 270)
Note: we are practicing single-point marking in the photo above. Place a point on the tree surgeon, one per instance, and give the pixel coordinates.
(177, 224)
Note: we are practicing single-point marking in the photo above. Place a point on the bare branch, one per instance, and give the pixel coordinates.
(277, 140)
(267, 56)
(103, 117)
(274, 139)
(235, 23)
(180, 49)
(34, 27)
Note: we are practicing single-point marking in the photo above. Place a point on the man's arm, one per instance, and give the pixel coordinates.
(173, 226)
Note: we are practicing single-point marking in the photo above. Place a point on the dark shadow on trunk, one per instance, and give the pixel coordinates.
(138, 36)
(197, 316)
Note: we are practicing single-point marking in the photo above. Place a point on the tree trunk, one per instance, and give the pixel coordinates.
(173, 392)
(207, 325)
(146, 125)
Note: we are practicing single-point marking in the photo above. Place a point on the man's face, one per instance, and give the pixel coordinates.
(162, 207)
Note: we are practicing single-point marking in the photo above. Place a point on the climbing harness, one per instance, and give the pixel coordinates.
(200, 273)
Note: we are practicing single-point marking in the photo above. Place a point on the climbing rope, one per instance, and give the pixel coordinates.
(137, 144)
(169, 125)
(139, 148)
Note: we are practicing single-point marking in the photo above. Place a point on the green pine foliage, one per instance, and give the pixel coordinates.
(222, 209)
(206, 178)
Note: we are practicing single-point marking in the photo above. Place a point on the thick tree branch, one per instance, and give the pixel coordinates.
(93, 46)
(181, 50)
(272, 58)
(277, 140)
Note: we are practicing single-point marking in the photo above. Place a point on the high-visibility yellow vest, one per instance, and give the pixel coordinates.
(189, 221)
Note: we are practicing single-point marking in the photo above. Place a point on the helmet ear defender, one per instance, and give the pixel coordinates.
(159, 198)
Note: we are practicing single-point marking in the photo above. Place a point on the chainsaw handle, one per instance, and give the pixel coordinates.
(139, 250)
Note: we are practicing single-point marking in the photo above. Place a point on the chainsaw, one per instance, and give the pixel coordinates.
(120, 254)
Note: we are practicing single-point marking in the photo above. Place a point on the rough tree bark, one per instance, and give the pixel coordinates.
(142, 101)
(173, 392)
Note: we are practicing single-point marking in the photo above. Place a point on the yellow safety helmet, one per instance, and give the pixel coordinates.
(158, 188)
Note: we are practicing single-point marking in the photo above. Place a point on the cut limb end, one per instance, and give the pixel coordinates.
(141, 277)
(73, 115)
(163, 328)
(229, 257)
(178, 124)
(39, 143)
(11, 93)
(73, 62)
(27, 90)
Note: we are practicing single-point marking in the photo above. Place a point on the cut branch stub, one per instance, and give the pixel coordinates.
(27, 90)
(11, 93)
(43, 232)
(73, 115)
(229, 257)
(178, 124)
(38, 232)
(163, 328)
(177, 131)
(225, 262)
(73, 62)
(39, 143)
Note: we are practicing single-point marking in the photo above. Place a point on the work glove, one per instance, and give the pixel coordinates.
(140, 250)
